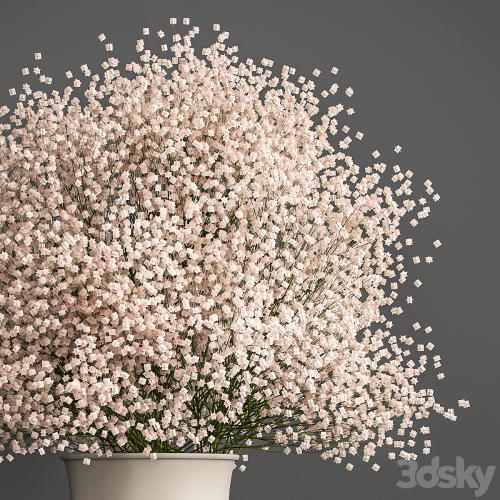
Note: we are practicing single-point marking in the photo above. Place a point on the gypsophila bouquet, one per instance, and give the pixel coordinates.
(190, 260)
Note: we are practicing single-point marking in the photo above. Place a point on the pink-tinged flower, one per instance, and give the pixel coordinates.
(190, 260)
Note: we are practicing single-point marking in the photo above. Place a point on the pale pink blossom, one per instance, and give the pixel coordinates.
(190, 260)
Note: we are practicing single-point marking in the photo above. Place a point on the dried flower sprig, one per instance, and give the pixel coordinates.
(191, 261)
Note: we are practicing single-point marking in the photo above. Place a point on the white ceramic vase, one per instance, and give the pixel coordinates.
(133, 476)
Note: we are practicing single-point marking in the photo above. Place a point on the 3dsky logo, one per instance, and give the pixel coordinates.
(446, 476)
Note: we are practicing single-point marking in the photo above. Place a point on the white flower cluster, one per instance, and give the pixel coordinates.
(190, 262)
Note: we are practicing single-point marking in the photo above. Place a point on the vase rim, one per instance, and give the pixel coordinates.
(159, 456)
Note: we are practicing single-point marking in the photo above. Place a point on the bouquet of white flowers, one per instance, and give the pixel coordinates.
(191, 261)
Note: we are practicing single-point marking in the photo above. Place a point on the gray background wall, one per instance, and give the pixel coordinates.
(426, 75)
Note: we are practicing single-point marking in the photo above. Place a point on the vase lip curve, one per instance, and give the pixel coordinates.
(159, 456)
